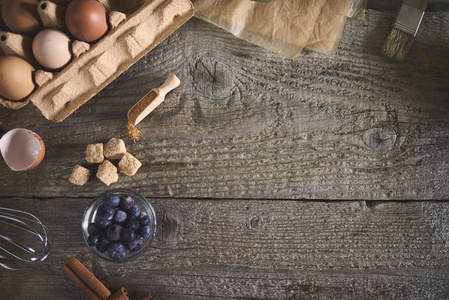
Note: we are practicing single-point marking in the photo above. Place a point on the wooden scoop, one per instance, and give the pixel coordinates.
(152, 100)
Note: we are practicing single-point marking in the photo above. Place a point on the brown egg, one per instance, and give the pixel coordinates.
(16, 78)
(61, 2)
(2, 23)
(21, 16)
(86, 20)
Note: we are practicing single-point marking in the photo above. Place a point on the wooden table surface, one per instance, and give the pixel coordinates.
(320, 177)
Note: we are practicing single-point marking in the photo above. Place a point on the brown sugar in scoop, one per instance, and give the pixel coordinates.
(152, 100)
(147, 104)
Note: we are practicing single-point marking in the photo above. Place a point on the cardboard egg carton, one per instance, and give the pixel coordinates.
(136, 27)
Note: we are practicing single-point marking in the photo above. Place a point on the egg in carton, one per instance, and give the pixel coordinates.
(135, 28)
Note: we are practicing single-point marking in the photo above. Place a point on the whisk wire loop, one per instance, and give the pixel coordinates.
(33, 247)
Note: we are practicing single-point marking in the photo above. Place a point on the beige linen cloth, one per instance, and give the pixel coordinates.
(283, 26)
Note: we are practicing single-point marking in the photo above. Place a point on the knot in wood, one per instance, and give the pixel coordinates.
(380, 139)
(213, 79)
(218, 93)
(256, 223)
(168, 227)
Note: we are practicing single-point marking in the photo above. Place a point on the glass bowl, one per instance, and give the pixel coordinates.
(91, 215)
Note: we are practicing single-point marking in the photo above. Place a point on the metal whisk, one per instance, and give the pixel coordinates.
(24, 240)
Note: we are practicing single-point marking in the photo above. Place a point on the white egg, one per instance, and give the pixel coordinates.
(51, 48)
(22, 149)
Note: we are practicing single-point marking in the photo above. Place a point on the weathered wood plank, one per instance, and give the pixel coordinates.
(247, 123)
(432, 5)
(243, 249)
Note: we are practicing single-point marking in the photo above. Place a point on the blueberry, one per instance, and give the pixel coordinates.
(128, 235)
(133, 224)
(119, 216)
(111, 200)
(93, 228)
(103, 243)
(105, 212)
(113, 232)
(144, 219)
(102, 223)
(92, 240)
(116, 251)
(144, 231)
(126, 202)
(134, 212)
(135, 245)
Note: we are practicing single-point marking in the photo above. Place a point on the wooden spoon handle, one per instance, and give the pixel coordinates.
(170, 84)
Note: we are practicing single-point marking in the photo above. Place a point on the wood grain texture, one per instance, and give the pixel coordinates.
(230, 152)
(244, 249)
(247, 123)
(393, 5)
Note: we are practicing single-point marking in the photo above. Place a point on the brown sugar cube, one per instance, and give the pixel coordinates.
(79, 175)
(129, 164)
(114, 149)
(107, 173)
(94, 153)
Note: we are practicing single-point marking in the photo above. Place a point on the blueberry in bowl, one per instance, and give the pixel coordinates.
(119, 225)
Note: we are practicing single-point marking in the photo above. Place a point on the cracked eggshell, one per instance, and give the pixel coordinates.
(22, 149)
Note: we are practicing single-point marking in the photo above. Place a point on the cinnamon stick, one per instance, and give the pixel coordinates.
(80, 283)
(85, 279)
(148, 296)
(121, 294)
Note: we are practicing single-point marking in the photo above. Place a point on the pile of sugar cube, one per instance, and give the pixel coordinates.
(107, 172)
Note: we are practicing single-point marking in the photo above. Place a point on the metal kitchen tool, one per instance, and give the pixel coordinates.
(24, 240)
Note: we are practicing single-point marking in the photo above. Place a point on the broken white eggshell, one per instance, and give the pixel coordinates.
(22, 149)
